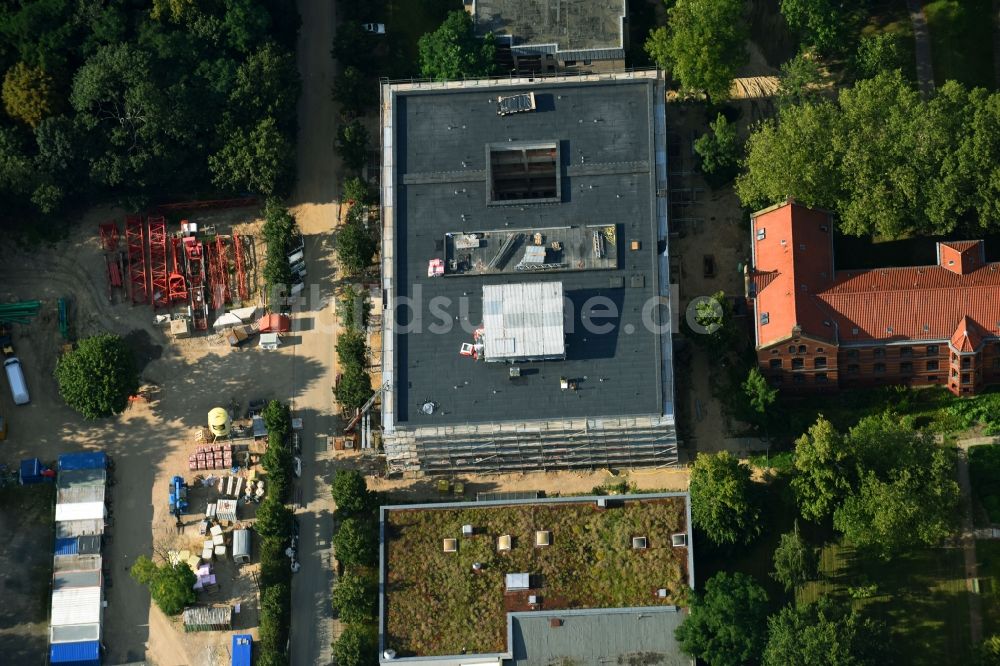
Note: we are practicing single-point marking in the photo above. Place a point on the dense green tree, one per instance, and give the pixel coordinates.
(256, 160)
(357, 191)
(356, 543)
(356, 245)
(244, 23)
(278, 419)
(800, 141)
(353, 389)
(988, 652)
(356, 598)
(888, 486)
(354, 91)
(351, 349)
(353, 45)
(453, 50)
(350, 492)
(725, 504)
(352, 144)
(266, 85)
(727, 624)
(760, 398)
(16, 175)
(97, 378)
(795, 561)
(801, 80)
(719, 150)
(357, 645)
(713, 324)
(881, 52)
(976, 157)
(170, 586)
(29, 94)
(703, 45)
(274, 519)
(820, 23)
(823, 632)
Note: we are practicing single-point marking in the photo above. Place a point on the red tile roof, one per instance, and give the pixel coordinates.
(967, 337)
(886, 304)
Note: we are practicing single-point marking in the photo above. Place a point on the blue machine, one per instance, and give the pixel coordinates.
(178, 496)
(242, 649)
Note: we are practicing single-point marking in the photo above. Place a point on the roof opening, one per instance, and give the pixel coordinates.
(523, 173)
(515, 104)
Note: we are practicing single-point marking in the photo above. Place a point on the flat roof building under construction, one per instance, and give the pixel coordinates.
(579, 207)
(472, 267)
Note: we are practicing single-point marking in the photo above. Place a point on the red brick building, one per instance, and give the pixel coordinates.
(820, 329)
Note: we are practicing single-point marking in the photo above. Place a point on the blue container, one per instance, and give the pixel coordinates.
(242, 649)
(67, 546)
(31, 471)
(83, 460)
(87, 653)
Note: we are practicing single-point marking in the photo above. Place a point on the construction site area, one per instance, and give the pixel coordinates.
(164, 285)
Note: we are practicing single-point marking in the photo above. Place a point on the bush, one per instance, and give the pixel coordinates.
(352, 144)
(355, 543)
(354, 389)
(97, 378)
(274, 565)
(350, 492)
(357, 646)
(275, 614)
(278, 232)
(278, 419)
(274, 519)
(170, 586)
(355, 598)
(984, 469)
(356, 245)
(354, 309)
(356, 190)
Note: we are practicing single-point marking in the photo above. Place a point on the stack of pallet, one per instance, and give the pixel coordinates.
(216, 456)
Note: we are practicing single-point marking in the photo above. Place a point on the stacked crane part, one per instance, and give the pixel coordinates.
(218, 272)
(21, 312)
(160, 292)
(194, 258)
(176, 284)
(134, 241)
(242, 286)
(114, 259)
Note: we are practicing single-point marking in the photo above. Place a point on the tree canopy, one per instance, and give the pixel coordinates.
(143, 98)
(885, 161)
(355, 543)
(823, 632)
(720, 151)
(350, 492)
(795, 561)
(352, 144)
(703, 45)
(274, 519)
(97, 378)
(727, 624)
(453, 50)
(724, 503)
(170, 586)
(887, 485)
(355, 598)
(356, 245)
(820, 23)
(357, 645)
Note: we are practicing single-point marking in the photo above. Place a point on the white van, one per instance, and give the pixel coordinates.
(15, 377)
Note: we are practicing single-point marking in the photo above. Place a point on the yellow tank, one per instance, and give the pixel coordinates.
(219, 422)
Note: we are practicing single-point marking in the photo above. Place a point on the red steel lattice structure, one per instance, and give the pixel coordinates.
(134, 240)
(109, 236)
(222, 288)
(158, 261)
(176, 284)
(242, 288)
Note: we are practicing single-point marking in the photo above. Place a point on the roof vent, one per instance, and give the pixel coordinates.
(428, 408)
(888, 329)
(761, 234)
(854, 330)
(826, 322)
(765, 317)
(927, 328)
(639, 543)
(678, 540)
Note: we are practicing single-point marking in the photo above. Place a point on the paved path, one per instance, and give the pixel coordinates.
(315, 208)
(921, 37)
(969, 543)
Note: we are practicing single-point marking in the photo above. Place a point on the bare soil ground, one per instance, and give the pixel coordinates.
(709, 224)
(26, 514)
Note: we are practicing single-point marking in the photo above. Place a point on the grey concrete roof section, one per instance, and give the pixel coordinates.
(595, 28)
(613, 169)
(604, 636)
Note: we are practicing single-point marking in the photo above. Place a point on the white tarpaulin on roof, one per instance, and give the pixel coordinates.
(76, 605)
(523, 321)
(80, 511)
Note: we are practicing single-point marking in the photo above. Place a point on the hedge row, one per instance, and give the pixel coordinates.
(355, 544)
(278, 233)
(274, 526)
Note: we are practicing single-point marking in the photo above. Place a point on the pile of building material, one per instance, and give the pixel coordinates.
(207, 618)
(215, 456)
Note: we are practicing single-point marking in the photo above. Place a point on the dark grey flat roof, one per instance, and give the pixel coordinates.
(607, 151)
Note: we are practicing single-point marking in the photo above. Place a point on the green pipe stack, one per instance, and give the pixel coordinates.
(21, 312)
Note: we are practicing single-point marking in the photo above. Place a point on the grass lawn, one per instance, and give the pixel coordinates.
(988, 555)
(921, 597)
(437, 604)
(962, 41)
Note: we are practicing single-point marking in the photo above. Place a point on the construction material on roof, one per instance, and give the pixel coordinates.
(523, 321)
(80, 511)
(504, 542)
(543, 537)
(76, 605)
(519, 103)
(518, 581)
(85, 460)
(75, 633)
(78, 654)
(450, 545)
(242, 650)
(208, 618)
